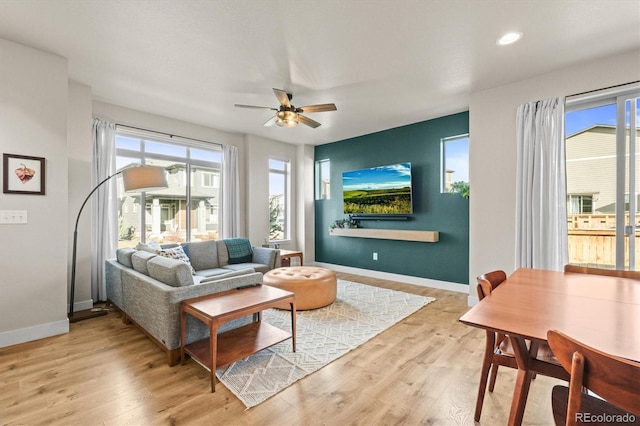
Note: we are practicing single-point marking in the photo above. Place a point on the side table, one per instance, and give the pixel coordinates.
(286, 255)
(224, 348)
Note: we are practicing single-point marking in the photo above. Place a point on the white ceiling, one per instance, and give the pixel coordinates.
(384, 63)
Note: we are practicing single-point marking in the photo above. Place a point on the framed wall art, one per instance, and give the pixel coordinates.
(22, 174)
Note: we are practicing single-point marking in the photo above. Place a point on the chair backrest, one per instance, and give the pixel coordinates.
(489, 281)
(600, 271)
(615, 379)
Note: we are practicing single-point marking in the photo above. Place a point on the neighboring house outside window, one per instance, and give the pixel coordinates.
(579, 204)
(278, 199)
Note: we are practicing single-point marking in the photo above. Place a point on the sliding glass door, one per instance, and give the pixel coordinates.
(603, 180)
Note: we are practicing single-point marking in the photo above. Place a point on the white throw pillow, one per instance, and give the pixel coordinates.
(151, 247)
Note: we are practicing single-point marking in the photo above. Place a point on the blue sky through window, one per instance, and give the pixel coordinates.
(577, 121)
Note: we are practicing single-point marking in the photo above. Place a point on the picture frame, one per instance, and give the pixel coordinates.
(23, 174)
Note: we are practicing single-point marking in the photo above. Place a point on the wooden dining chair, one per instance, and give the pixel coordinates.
(614, 379)
(498, 350)
(601, 271)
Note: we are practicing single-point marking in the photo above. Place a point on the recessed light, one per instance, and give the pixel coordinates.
(509, 38)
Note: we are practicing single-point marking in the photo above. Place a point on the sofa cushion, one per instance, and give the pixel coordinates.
(223, 254)
(151, 246)
(211, 272)
(140, 259)
(226, 274)
(239, 250)
(258, 267)
(178, 254)
(173, 272)
(123, 256)
(203, 254)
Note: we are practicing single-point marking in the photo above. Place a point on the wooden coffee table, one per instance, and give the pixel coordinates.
(232, 345)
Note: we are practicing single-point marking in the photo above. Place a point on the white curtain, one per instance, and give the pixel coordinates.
(230, 192)
(541, 193)
(104, 225)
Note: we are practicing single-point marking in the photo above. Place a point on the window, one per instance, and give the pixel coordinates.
(603, 158)
(278, 199)
(455, 165)
(185, 211)
(210, 180)
(579, 204)
(323, 180)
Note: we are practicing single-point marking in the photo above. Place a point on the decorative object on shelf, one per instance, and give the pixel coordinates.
(461, 188)
(23, 174)
(135, 179)
(344, 223)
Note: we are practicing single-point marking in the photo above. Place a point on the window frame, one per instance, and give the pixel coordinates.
(285, 172)
(443, 160)
(143, 157)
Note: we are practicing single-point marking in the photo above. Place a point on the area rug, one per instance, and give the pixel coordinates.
(359, 313)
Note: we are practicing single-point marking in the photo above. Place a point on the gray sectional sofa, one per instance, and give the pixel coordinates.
(149, 287)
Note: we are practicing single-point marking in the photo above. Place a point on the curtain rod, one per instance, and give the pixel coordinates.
(166, 134)
(604, 88)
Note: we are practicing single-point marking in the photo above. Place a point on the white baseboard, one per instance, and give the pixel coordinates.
(425, 282)
(14, 337)
(81, 306)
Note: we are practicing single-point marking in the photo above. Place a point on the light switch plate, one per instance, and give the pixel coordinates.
(13, 217)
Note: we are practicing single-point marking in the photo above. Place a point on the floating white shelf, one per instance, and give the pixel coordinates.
(387, 234)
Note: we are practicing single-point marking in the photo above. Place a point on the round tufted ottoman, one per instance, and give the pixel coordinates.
(314, 287)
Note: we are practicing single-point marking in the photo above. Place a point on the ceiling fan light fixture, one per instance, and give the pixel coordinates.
(286, 118)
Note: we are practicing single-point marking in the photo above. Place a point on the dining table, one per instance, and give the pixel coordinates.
(600, 311)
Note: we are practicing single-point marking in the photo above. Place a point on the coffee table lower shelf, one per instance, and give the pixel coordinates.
(237, 343)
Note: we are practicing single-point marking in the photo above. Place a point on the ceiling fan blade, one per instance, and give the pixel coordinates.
(271, 122)
(317, 108)
(309, 122)
(255, 107)
(283, 97)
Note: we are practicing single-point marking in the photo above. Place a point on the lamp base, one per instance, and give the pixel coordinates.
(88, 314)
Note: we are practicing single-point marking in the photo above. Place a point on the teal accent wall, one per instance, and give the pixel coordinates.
(446, 260)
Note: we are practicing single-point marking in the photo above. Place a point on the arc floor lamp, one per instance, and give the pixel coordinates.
(135, 179)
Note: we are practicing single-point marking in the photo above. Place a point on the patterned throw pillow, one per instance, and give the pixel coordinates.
(178, 254)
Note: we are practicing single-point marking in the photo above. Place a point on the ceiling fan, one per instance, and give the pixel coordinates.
(288, 115)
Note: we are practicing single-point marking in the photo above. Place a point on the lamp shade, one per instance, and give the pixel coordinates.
(144, 178)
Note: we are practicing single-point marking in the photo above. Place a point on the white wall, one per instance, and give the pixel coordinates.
(80, 158)
(306, 202)
(492, 129)
(33, 256)
(259, 150)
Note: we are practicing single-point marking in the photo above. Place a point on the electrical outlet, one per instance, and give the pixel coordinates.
(375, 256)
(12, 217)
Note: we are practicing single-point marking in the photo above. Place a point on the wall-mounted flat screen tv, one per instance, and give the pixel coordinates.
(378, 190)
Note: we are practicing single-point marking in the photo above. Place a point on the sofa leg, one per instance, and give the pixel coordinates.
(173, 357)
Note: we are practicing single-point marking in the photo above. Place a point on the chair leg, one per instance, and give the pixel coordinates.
(494, 375)
(484, 373)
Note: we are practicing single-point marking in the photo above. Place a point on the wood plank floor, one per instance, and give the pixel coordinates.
(423, 370)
